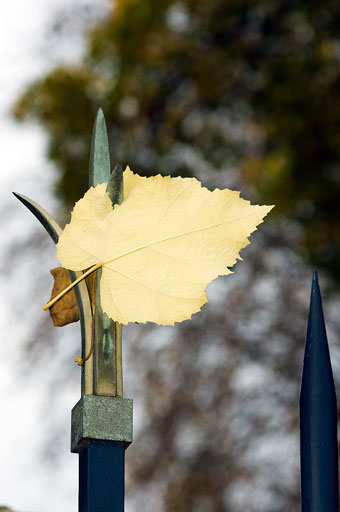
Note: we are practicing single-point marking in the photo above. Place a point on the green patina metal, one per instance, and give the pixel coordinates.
(107, 363)
(83, 300)
(100, 168)
(101, 413)
(101, 417)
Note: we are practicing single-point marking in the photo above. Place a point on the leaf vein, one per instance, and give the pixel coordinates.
(150, 287)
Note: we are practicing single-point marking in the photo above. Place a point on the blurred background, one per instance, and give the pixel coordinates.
(244, 95)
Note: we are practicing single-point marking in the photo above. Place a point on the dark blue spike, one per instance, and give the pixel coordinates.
(318, 417)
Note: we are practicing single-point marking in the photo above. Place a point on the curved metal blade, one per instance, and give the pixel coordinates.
(49, 223)
(54, 230)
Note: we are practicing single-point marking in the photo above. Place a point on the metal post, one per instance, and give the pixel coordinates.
(102, 420)
(101, 477)
(318, 417)
(101, 431)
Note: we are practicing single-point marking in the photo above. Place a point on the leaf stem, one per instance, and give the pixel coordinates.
(72, 285)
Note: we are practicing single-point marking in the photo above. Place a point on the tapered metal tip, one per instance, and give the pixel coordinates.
(100, 155)
(318, 416)
(47, 221)
(100, 118)
(317, 378)
(115, 185)
(317, 371)
(316, 324)
(99, 121)
(23, 199)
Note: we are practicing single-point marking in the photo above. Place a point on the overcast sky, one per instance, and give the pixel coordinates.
(27, 484)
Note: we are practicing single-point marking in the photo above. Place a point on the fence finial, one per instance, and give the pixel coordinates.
(318, 417)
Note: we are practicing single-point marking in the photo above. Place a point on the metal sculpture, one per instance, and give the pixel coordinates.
(101, 426)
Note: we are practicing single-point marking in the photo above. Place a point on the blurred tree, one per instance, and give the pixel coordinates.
(195, 85)
(237, 94)
(217, 397)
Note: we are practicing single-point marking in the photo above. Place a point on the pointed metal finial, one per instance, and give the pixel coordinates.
(318, 417)
(102, 373)
(107, 353)
(115, 185)
(101, 425)
(99, 171)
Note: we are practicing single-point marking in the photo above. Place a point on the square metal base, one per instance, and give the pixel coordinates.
(106, 418)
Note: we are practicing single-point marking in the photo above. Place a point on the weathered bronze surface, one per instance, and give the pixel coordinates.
(101, 417)
(108, 334)
(101, 413)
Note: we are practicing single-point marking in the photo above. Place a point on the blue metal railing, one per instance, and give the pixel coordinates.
(318, 417)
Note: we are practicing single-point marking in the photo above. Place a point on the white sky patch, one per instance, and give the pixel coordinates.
(26, 483)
